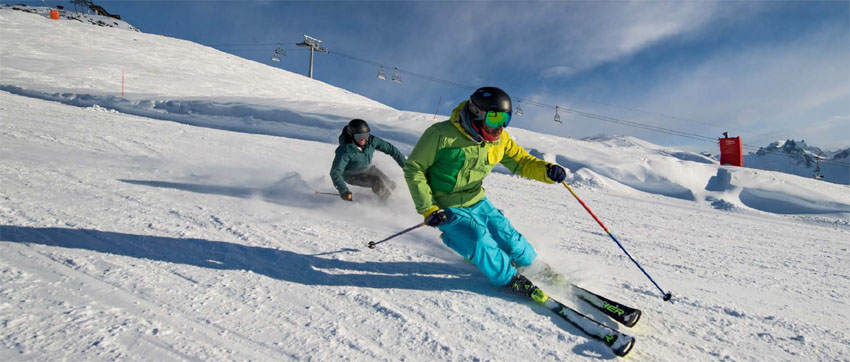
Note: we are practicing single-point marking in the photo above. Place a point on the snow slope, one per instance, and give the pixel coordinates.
(178, 222)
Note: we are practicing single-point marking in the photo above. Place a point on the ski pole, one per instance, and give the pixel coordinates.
(667, 295)
(326, 193)
(372, 244)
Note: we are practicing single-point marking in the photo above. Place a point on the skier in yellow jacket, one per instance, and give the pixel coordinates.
(445, 171)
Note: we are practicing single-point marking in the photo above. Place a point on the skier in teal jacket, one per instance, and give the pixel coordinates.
(353, 158)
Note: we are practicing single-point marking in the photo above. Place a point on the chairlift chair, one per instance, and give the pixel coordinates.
(278, 53)
(381, 74)
(817, 173)
(396, 76)
(518, 109)
(557, 116)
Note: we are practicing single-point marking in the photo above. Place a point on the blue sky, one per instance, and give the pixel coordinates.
(765, 71)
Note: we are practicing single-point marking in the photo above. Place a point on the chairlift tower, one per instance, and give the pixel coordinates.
(314, 45)
(84, 4)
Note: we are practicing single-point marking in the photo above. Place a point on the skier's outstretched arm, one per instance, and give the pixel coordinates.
(389, 149)
(521, 163)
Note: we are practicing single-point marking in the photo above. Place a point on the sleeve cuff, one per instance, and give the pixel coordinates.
(430, 211)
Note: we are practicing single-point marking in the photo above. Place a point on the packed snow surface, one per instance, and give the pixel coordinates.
(179, 221)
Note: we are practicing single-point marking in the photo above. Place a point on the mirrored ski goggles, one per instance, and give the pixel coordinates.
(497, 119)
(493, 119)
(361, 136)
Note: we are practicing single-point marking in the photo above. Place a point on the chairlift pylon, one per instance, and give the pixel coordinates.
(381, 74)
(396, 76)
(558, 116)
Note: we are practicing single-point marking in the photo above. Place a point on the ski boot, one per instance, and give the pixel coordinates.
(522, 286)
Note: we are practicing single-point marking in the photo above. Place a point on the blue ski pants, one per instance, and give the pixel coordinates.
(484, 236)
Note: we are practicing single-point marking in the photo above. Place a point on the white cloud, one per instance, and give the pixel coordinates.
(557, 71)
(794, 88)
(761, 89)
(562, 38)
(613, 31)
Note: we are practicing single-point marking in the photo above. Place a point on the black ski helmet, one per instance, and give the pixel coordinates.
(356, 125)
(488, 99)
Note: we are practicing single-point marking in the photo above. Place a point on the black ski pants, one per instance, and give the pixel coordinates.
(372, 178)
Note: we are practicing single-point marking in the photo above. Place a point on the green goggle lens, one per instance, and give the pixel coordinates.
(497, 119)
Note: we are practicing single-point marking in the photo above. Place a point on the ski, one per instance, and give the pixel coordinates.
(621, 313)
(619, 343)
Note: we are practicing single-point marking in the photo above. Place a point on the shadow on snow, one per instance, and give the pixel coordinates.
(279, 264)
(274, 263)
(291, 192)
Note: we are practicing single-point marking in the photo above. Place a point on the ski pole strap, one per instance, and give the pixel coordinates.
(666, 296)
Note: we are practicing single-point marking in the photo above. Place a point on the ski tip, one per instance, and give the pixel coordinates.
(626, 348)
(635, 318)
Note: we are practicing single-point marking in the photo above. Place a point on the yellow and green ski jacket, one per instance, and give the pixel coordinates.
(446, 167)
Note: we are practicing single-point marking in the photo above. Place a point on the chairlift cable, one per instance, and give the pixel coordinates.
(538, 104)
(577, 112)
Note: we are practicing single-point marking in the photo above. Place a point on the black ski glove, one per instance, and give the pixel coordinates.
(556, 173)
(346, 195)
(436, 218)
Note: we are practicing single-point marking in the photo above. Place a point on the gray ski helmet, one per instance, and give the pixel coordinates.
(356, 125)
(491, 99)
